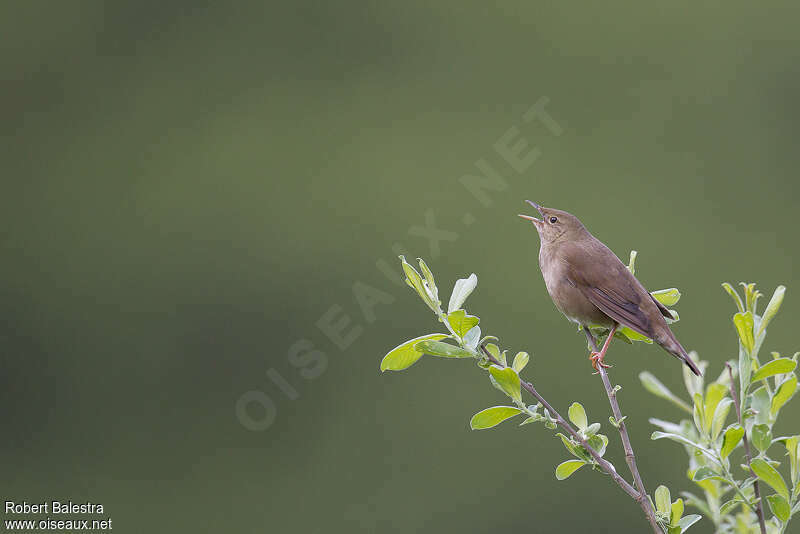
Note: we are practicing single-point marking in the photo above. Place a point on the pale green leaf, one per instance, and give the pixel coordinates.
(774, 367)
(565, 469)
(705, 473)
(730, 440)
(405, 355)
(772, 309)
(760, 403)
(667, 297)
(688, 521)
(663, 500)
(714, 394)
(472, 337)
(443, 350)
(654, 386)
(430, 283)
(461, 290)
(792, 445)
(779, 506)
(744, 327)
(460, 322)
(414, 280)
(697, 413)
(783, 394)
(491, 417)
(578, 416)
(770, 475)
(633, 335)
(761, 436)
(508, 381)
(520, 361)
(632, 262)
(676, 513)
(734, 295)
(720, 416)
(730, 505)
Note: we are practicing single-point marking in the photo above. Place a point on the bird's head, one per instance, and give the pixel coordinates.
(555, 225)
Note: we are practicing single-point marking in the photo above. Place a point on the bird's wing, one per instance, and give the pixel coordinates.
(610, 286)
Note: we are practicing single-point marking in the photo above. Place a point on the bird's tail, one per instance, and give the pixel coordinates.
(674, 347)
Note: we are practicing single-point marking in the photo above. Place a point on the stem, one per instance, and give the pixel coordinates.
(604, 464)
(748, 456)
(630, 457)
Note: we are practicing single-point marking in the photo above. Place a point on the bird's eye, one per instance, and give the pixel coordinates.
(553, 220)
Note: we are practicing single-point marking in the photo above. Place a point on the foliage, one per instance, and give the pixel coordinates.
(728, 430)
(585, 444)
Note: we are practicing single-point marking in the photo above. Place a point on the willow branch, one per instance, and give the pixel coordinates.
(604, 464)
(745, 442)
(630, 457)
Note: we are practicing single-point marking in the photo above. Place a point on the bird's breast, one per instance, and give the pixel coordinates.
(567, 297)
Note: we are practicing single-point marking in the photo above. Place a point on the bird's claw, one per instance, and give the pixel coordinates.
(597, 359)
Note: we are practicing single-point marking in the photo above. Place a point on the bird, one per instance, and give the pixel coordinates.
(592, 287)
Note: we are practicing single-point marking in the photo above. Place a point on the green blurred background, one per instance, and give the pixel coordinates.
(189, 187)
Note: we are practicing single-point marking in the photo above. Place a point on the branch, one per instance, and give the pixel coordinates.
(759, 507)
(605, 465)
(630, 457)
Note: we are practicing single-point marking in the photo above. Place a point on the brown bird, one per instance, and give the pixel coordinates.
(592, 287)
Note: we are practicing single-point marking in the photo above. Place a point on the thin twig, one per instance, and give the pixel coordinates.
(759, 508)
(604, 464)
(630, 457)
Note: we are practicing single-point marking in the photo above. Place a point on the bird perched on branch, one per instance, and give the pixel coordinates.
(592, 287)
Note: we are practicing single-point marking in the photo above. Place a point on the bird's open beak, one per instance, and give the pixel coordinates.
(534, 220)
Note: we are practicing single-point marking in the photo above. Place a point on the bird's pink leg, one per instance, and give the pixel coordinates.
(597, 357)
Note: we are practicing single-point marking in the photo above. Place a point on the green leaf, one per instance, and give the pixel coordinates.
(730, 505)
(405, 355)
(730, 440)
(714, 394)
(676, 513)
(761, 436)
(792, 445)
(734, 295)
(760, 402)
(697, 413)
(633, 335)
(720, 416)
(663, 500)
(430, 283)
(632, 262)
(688, 521)
(461, 290)
(461, 322)
(443, 350)
(768, 474)
(520, 361)
(705, 473)
(784, 393)
(667, 297)
(779, 506)
(680, 439)
(565, 469)
(744, 327)
(578, 416)
(575, 449)
(774, 367)
(772, 309)
(472, 337)
(654, 386)
(508, 381)
(414, 280)
(491, 417)
(598, 442)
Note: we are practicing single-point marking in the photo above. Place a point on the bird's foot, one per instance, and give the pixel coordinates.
(597, 359)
